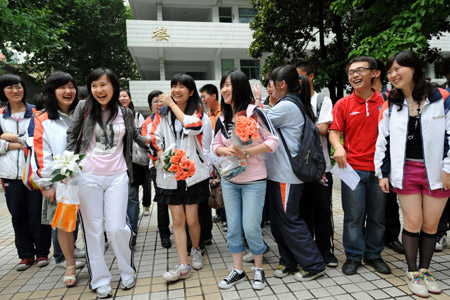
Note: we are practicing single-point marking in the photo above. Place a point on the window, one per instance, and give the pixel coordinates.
(225, 15)
(246, 14)
(227, 65)
(250, 68)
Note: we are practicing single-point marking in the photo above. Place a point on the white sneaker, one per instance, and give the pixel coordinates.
(104, 291)
(441, 243)
(79, 253)
(179, 272)
(430, 282)
(196, 258)
(248, 258)
(128, 284)
(78, 264)
(416, 284)
(146, 211)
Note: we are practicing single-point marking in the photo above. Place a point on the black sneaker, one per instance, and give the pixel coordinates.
(133, 240)
(208, 242)
(330, 259)
(350, 267)
(307, 276)
(283, 271)
(396, 246)
(260, 279)
(232, 278)
(379, 265)
(165, 242)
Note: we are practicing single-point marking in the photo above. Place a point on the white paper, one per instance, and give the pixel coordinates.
(347, 175)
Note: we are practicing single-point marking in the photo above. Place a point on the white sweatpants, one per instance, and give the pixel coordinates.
(106, 197)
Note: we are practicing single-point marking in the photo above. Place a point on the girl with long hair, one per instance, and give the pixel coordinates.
(179, 125)
(105, 131)
(244, 194)
(412, 156)
(49, 139)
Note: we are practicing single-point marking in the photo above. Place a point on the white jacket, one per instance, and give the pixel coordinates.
(12, 162)
(392, 136)
(50, 139)
(163, 137)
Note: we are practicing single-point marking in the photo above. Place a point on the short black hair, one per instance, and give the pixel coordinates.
(369, 59)
(151, 96)
(82, 92)
(382, 68)
(10, 79)
(54, 81)
(211, 89)
(307, 66)
(37, 101)
(131, 105)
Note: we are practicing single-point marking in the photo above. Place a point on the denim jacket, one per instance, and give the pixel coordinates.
(74, 133)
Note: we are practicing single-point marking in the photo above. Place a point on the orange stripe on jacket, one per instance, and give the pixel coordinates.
(155, 124)
(145, 125)
(38, 140)
(283, 195)
(383, 108)
(199, 115)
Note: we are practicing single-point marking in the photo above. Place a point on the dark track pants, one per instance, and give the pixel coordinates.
(291, 233)
(31, 237)
(392, 219)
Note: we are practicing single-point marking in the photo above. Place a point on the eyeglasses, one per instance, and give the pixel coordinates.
(17, 87)
(358, 70)
(157, 102)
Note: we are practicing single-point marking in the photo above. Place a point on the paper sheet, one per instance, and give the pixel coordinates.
(347, 175)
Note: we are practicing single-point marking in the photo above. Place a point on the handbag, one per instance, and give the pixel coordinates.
(140, 156)
(28, 170)
(215, 193)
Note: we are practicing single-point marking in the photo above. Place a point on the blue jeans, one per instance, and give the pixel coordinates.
(244, 204)
(367, 198)
(133, 207)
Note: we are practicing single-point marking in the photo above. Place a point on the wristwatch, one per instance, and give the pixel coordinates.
(46, 188)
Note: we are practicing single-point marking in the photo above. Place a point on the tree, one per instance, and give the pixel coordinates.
(92, 35)
(286, 28)
(392, 26)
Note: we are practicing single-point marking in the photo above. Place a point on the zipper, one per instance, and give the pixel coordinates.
(404, 153)
(423, 148)
(18, 152)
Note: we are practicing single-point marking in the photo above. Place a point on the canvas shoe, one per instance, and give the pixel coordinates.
(260, 279)
(104, 291)
(416, 284)
(307, 276)
(42, 261)
(441, 243)
(179, 272)
(196, 258)
(24, 264)
(146, 211)
(283, 271)
(233, 278)
(430, 282)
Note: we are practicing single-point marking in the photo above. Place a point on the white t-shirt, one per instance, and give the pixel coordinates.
(325, 116)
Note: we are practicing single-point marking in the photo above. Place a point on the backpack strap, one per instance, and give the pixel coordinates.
(385, 96)
(320, 99)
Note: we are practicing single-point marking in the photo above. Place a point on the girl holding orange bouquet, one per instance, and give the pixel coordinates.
(243, 131)
(179, 125)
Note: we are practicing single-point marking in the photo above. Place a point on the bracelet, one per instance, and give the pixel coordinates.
(258, 98)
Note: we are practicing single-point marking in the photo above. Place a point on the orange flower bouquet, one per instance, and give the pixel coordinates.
(176, 162)
(246, 129)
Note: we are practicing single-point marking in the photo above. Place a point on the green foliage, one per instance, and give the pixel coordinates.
(392, 26)
(76, 37)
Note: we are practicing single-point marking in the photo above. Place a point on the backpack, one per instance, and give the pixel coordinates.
(309, 163)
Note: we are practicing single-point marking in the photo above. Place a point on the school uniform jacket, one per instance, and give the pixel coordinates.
(392, 137)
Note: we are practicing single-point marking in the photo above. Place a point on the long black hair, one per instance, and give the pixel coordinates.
(241, 95)
(296, 84)
(194, 102)
(131, 105)
(10, 79)
(94, 108)
(422, 87)
(54, 81)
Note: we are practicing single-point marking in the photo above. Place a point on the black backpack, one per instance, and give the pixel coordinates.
(309, 163)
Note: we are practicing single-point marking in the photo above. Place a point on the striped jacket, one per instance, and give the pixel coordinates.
(12, 162)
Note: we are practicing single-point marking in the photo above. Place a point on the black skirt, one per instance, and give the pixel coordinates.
(195, 194)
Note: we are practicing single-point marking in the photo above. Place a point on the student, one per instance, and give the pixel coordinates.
(356, 116)
(105, 130)
(180, 124)
(318, 214)
(244, 194)
(31, 238)
(284, 189)
(138, 172)
(49, 139)
(414, 131)
(155, 105)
